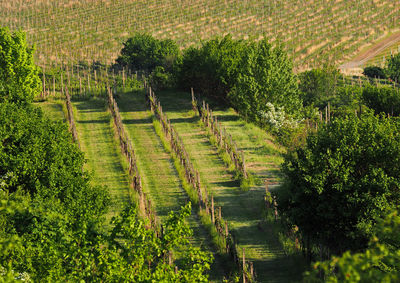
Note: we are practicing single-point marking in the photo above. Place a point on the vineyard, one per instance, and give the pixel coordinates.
(314, 32)
(196, 141)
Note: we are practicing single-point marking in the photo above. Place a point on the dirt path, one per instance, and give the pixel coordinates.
(367, 55)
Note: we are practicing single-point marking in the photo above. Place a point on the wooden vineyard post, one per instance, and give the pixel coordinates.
(243, 165)
(54, 86)
(194, 105)
(212, 210)
(44, 84)
(62, 84)
(329, 112)
(244, 267)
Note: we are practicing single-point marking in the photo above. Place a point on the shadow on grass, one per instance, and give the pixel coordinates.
(229, 184)
(136, 121)
(102, 121)
(228, 118)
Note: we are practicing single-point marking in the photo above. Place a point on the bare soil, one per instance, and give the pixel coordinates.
(370, 53)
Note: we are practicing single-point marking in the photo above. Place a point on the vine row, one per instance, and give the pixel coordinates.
(205, 199)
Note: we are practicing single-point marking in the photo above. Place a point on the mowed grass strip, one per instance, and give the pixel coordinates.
(159, 176)
(242, 209)
(104, 159)
(53, 108)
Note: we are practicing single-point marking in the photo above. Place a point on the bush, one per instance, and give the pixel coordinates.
(382, 99)
(143, 52)
(19, 80)
(374, 72)
(346, 176)
(393, 67)
(265, 76)
(160, 79)
(213, 68)
(317, 86)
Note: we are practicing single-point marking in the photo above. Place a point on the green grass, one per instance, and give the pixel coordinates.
(243, 210)
(160, 178)
(53, 108)
(104, 159)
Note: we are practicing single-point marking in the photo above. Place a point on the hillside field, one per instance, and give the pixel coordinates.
(314, 32)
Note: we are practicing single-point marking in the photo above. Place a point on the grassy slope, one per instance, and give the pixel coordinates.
(96, 138)
(243, 210)
(53, 109)
(160, 179)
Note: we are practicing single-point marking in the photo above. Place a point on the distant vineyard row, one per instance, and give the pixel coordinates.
(314, 32)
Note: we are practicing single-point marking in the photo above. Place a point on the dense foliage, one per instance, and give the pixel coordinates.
(52, 218)
(52, 226)
(384, 99)
(380, 262)
(266, 76)
(156, 58)
(317, 86)
(374, 72)
(213, 68)
(19, 80)
(345, 177)
(393, 67)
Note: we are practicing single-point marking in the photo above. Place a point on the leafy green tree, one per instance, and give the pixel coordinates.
(393, 67)
(380, 262)
(51, 218)
(19, 80)
(345, 177)
(384, 99)
(213, 68)
(317, 86)
(40, 158)
(374, 72)
(143, 52)
(266, 75)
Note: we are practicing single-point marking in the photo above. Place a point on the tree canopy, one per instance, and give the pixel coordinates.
(143, 52)
(19, 80)
(346, 176)
(380, 262)
(393, 67)
(266, 76)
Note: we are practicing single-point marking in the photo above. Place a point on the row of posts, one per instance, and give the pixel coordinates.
(224, 140)
(71, 120)
(205, 200)
(128, 152)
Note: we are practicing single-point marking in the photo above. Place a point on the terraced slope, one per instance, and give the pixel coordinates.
(97, 141)
(314, 31)
(243, 210)
(159, 176)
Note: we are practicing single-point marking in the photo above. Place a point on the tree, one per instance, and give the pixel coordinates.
(318, 85)
(142, 52)
(51, 218)
(380, 262)
(213, 68)
(19, 80)
(374, 72)
(265, 75)
(384, 99)
(39, 157)
(345, 177)
(393, 67)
